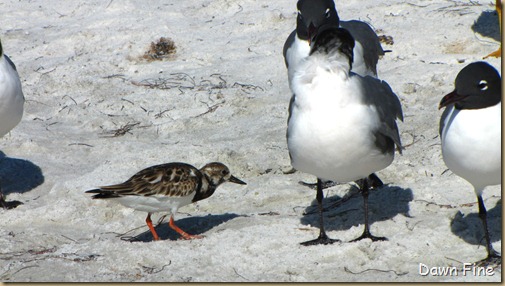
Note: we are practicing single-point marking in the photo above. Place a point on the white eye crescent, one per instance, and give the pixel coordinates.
(483, 85)
(327, 13)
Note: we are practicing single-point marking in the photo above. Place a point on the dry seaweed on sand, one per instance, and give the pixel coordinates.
(164, 48)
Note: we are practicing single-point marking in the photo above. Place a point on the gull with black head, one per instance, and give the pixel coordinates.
(341, 126)
(166, 188)
(470, 129)
(312, 15)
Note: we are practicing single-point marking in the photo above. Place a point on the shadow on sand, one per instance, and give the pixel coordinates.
(342, 213)
(487, 25)
(192, 225)
(470, 228)
(18, 175)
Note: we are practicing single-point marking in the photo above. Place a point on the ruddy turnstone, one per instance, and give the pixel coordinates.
(11, 106)
(313, 14)
(341, 126)
(166, 188)
(470, 129)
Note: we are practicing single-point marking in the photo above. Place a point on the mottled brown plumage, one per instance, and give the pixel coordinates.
(167, 187)
(171, 179)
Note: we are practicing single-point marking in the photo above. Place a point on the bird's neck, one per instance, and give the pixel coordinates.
(206, 190)
(335, 66)
(333, 62)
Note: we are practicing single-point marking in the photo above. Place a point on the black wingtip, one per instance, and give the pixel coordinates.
(374, 181)
(101, 194)
(10, 204)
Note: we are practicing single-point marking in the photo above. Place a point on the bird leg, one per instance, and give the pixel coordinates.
(151, 227)
(323, 238)
(492, 256)
(364, 188)
(184, 234)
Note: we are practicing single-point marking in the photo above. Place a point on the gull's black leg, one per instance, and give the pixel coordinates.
(323, 238)
(364, 188)
(492, 256)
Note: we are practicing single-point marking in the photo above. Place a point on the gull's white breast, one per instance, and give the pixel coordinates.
(295, 54)
(11, 97)
(331, 132)
(471, 145)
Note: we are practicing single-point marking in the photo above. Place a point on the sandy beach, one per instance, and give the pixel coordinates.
(98, 110)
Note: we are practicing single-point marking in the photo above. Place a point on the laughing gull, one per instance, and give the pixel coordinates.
(341, 126)
(312, 14)
(470, 128)
(11, 105)
(316, 13)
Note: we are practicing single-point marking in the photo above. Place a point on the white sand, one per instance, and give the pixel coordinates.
(78, 61)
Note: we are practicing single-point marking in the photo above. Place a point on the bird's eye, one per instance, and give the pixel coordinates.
(328, 13)
(482, 85)
(300, 15)
(224, 172)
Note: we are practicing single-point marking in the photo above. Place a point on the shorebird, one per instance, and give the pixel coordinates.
(166, 188)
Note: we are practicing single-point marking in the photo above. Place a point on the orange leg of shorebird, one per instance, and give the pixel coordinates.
(184, 234)
(497, 53)
(151, 227)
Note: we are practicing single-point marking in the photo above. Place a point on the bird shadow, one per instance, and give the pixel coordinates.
(18, 175)
(342, 213)
(487, 25)
(195, 225)
(469, 227)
